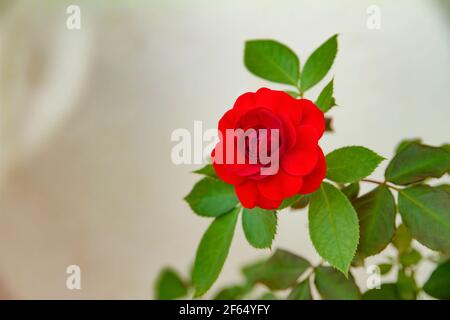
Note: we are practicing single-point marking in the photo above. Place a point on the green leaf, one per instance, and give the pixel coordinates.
(438, 285)
(278, 272)
(272, 61)
(444, 187)
(318, 63)
(351, 190)
(328, 124)
(212, 197)
(416, 162)
(387, 291)
(333, 285)
(410, 258)
(169, 285)
(259, 226)
(268, 296)
(402, 239)
(213, 251)
(406, 286)
(385, 268)
(302, 202)
(289, 201)
(350, 164)
(376, 212)
(293, 94)
(425, 212)
(333, 226)
(231, 293)
(404, 143)
(301, 291)
(326, 101)
(207, 170)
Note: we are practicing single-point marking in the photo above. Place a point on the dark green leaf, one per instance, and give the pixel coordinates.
(376, 212)
(387, 291)
(351, 191)
(328, 124)
(231, 293)
(169, 285)
(416, 162)
(406, 286)
(333, 226)
(259, 226)
(438, 285)
(272, 61)
(213, 251)
(207, 170)
(319, 63)
(444, 187)
(404, 143)
(301, 291)
(350, 164)
(410, 258)
(326, 101)
(425, 212)
(278, 272)
(268, 296)
(333, 285)
(402, 239)
(212, 197)
(385, 268)
(289, 201)
(302, 202)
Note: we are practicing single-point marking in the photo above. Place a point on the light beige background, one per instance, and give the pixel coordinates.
(86, 118)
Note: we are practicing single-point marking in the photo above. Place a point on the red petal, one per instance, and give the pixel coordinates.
(280, 186)
(302, 159)
(311, 115)
(247, 194)
(312, 181)
(268, 204)
(223, 171)
(244, 103)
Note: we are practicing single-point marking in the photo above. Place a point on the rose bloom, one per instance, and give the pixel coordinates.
(300, 166)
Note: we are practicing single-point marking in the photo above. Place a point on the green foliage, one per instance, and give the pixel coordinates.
(351, 190)
(344, 227)
(272, 61)
(235, 292)
(207, 170)
(416, 162)
(318, 64)
(213, 251)
(410, 258)
(333, 285)
(376, 212)
(326, 101)
(402, 239)
(333, 226)
(385, 268)
(387, 291)
(301, 291)
(280, 271)
(212, 197)
(169, 285)
(350, 164)
(425, 212)
(438, 285)
(260, 226)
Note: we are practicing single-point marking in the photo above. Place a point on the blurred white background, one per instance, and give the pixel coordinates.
(86, 117)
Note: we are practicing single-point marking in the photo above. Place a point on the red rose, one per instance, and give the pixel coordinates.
(300, 163)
